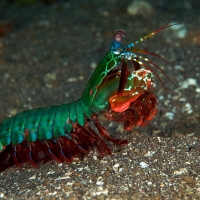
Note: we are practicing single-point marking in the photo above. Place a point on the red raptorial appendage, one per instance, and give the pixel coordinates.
(123, 78)
(139, 113)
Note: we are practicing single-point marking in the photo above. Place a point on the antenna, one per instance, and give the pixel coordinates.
(167, 25)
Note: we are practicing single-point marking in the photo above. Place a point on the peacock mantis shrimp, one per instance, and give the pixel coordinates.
(62, 132)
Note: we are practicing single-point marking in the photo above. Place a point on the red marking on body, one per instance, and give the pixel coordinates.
(139, 113)
(91, 92)
(26, 132)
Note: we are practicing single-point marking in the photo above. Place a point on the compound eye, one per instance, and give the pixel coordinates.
(118, 36)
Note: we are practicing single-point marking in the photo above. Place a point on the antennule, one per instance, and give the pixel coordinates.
(167, 25)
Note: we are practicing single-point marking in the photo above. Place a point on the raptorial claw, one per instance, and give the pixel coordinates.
(123, 78)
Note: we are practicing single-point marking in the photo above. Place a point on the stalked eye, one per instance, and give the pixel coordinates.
(116, 44)
(118, 36)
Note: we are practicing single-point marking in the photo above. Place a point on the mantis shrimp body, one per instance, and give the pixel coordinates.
(63, 132)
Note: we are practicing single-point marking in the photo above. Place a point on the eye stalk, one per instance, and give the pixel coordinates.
(116, 44)
(129, 52)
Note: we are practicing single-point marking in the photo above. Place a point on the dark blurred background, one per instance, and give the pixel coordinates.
(48, 51)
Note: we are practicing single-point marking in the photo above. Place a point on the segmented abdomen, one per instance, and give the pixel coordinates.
(58, 132)
(42, 123)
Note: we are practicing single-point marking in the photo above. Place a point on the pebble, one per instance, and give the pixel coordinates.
(179, 30)
(169, 115)
(1, 195)
(140, 8)
(144, 165)
(181, 171)
(189, 82)
(187, 108)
